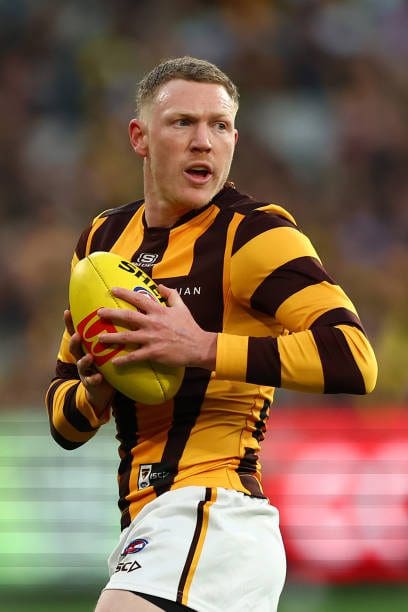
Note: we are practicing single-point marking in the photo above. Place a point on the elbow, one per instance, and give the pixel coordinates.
(356, 373)
(367, 364)
(363, 368)
(369, 372)
(63, 442)
(360, 381)
(66, 445)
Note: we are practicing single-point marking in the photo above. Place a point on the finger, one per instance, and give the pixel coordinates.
(140, 299)
(171, 296)
(120, 338)
(86, 366)
(139, 354)
(93, 380)
(122, 316)
(68, 322)
(75, 346)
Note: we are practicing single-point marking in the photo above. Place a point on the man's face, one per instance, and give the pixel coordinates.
(189, 143)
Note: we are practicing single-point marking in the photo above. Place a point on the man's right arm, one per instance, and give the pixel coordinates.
(73, 418)
(75, 409)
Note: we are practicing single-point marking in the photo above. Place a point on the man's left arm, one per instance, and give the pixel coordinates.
(323, 347)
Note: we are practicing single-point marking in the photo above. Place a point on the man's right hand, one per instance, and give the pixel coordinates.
(99, 392)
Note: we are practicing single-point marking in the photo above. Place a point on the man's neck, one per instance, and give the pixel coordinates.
(157, 215)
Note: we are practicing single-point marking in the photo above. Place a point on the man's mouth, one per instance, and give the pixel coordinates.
(199, 173)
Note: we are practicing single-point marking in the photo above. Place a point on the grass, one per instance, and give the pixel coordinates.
(344, 598)
(296, 598)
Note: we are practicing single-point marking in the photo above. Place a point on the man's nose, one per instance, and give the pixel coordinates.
(201, 140)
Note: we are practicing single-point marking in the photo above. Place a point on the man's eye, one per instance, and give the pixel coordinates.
(221, 125)
(183, 122)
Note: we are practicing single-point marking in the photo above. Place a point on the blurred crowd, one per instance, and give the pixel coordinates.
(323, 132)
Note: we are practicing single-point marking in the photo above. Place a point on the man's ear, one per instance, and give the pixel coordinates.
(138, 137)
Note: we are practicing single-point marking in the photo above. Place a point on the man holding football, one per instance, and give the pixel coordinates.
(258, 311)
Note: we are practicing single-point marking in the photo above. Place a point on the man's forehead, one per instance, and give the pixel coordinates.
(188, 94)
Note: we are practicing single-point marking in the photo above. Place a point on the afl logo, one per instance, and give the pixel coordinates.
(145, 292)
(89, 330)
(135, 546)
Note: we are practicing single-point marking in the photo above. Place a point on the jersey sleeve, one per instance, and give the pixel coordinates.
(323, 347)
(72, 418)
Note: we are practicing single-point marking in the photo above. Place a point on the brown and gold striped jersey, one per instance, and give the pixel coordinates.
(245, 271)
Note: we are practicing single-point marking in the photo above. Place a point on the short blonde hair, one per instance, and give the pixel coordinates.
(186, 68)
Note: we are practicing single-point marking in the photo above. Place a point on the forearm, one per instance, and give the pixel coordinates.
(206, 353)
(327, 359)
(73, 420)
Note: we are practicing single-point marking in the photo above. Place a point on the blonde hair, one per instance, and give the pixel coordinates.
(186, 68)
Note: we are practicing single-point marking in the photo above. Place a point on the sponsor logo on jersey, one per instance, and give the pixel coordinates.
(194, 290)
(132, 268)
(89, 329)
(145, 260)
(134, 546)
(151, 474)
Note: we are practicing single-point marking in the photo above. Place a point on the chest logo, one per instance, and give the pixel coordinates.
(145, 260)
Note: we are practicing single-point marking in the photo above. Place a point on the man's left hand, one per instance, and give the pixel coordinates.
(167, 335)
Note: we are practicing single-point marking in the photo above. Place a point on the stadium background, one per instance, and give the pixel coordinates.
(323, 132)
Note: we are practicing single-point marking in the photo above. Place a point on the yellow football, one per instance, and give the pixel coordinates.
(90, 289)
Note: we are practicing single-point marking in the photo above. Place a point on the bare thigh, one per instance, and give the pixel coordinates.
(114, 600)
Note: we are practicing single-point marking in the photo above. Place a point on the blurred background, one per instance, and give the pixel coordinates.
(323, 132)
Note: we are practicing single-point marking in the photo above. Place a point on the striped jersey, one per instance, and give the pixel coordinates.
(247, 272)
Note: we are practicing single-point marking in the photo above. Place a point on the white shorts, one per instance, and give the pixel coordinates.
(211, 549)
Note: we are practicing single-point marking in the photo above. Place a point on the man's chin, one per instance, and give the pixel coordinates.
(199, 197)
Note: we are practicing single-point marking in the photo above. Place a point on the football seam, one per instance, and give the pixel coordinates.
(117, 304)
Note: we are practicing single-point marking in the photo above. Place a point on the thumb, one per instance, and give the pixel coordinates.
(171, 296)
(68, 322)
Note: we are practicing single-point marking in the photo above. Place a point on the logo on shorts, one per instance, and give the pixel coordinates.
(135, 546)
(129, 566)
(153, 473)
(132, 548)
